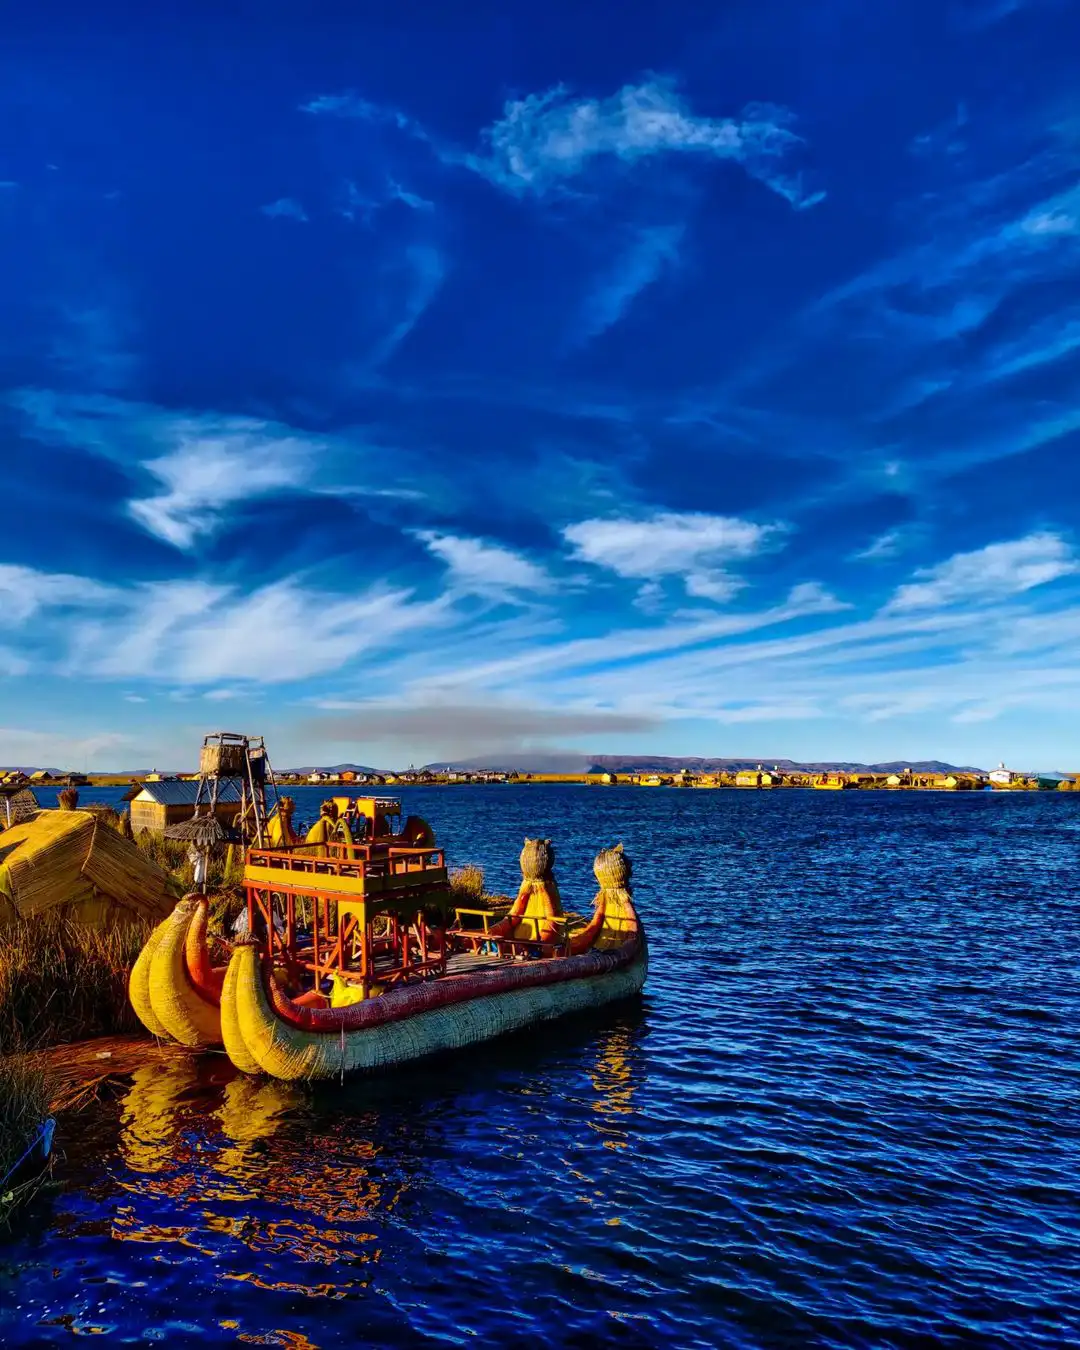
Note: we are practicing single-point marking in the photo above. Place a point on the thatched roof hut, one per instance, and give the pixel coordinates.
(72, 863)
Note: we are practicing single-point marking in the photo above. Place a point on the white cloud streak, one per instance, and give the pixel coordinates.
(543, 141)
(653, 250)
(212, 468)
(988, 574)
(478, 567)
(692, 545)
(426, 272)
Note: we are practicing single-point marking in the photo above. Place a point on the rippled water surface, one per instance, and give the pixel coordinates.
(845, 1113)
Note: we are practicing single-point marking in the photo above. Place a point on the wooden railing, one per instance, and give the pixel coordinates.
(480, 940)
(349, 860)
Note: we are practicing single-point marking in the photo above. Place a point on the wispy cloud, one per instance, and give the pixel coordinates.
(692, 545)
(478, 567)
(211, 468)
(206, 464)
(556, 662)
(426, 272)
(886, 545)
(543, 141)
(355, 106)
(285, 208)
(651, 251)
(990, 573)
(24, 592)
(357, 204)
(1052, 221)
(202, 634)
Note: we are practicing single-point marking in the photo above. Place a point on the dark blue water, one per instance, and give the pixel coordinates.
(846, 1113)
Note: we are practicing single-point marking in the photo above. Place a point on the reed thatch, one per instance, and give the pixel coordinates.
(21, 806)
(203, 831)
(74, 864)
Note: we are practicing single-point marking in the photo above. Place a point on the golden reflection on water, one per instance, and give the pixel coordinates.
(612, 1077)
(252, 1176)
(216, 1167)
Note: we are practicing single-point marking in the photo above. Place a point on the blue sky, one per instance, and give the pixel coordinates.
(676, 377)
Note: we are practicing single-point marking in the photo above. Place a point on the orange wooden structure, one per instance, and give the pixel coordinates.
(358, 906)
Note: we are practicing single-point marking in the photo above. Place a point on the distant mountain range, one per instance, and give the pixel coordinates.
(668, 764)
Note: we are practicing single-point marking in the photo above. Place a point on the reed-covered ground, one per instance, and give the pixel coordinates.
(61, 981)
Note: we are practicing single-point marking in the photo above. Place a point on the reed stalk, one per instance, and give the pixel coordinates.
(61, 981)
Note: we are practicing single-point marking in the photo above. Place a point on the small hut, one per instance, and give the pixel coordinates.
(161, 804)
(72, 863)
(18, 807)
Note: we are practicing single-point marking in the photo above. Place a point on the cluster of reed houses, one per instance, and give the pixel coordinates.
(999, 779)
(16, 778)
(418, 777)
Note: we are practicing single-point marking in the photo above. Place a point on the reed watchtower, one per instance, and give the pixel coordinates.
(227, 757)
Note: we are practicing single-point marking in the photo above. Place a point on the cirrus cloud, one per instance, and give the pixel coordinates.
(989, 573)
(544, 140)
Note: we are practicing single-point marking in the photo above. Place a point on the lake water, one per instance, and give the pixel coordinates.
(845, 1113)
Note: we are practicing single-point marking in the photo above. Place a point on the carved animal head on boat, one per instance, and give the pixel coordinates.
(612, 868)
(537, 859)
(329, 808)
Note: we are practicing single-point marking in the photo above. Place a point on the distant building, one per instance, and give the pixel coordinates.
(1002, 775)
(163, 803)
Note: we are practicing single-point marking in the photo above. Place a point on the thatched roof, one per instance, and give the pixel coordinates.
(74, 863)
(23, 806)
(202, 831)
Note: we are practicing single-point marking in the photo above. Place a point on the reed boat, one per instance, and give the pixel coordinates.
(353, 956)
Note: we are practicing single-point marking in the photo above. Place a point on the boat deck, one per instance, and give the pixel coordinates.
(463, 963)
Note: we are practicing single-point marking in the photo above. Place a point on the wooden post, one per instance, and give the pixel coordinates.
(365, 952)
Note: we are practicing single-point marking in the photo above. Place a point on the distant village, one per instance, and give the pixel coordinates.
(760, 777)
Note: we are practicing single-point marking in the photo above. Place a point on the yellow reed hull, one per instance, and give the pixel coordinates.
(255, 1034)
(161, 992)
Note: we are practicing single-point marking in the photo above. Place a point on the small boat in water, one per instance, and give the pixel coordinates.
(354, 956)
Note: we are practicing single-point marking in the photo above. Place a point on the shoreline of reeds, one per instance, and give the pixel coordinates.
(61, 981)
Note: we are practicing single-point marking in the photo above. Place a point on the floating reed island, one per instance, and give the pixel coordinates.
(160, 800)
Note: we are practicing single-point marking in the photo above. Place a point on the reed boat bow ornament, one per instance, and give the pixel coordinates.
(355, 959)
